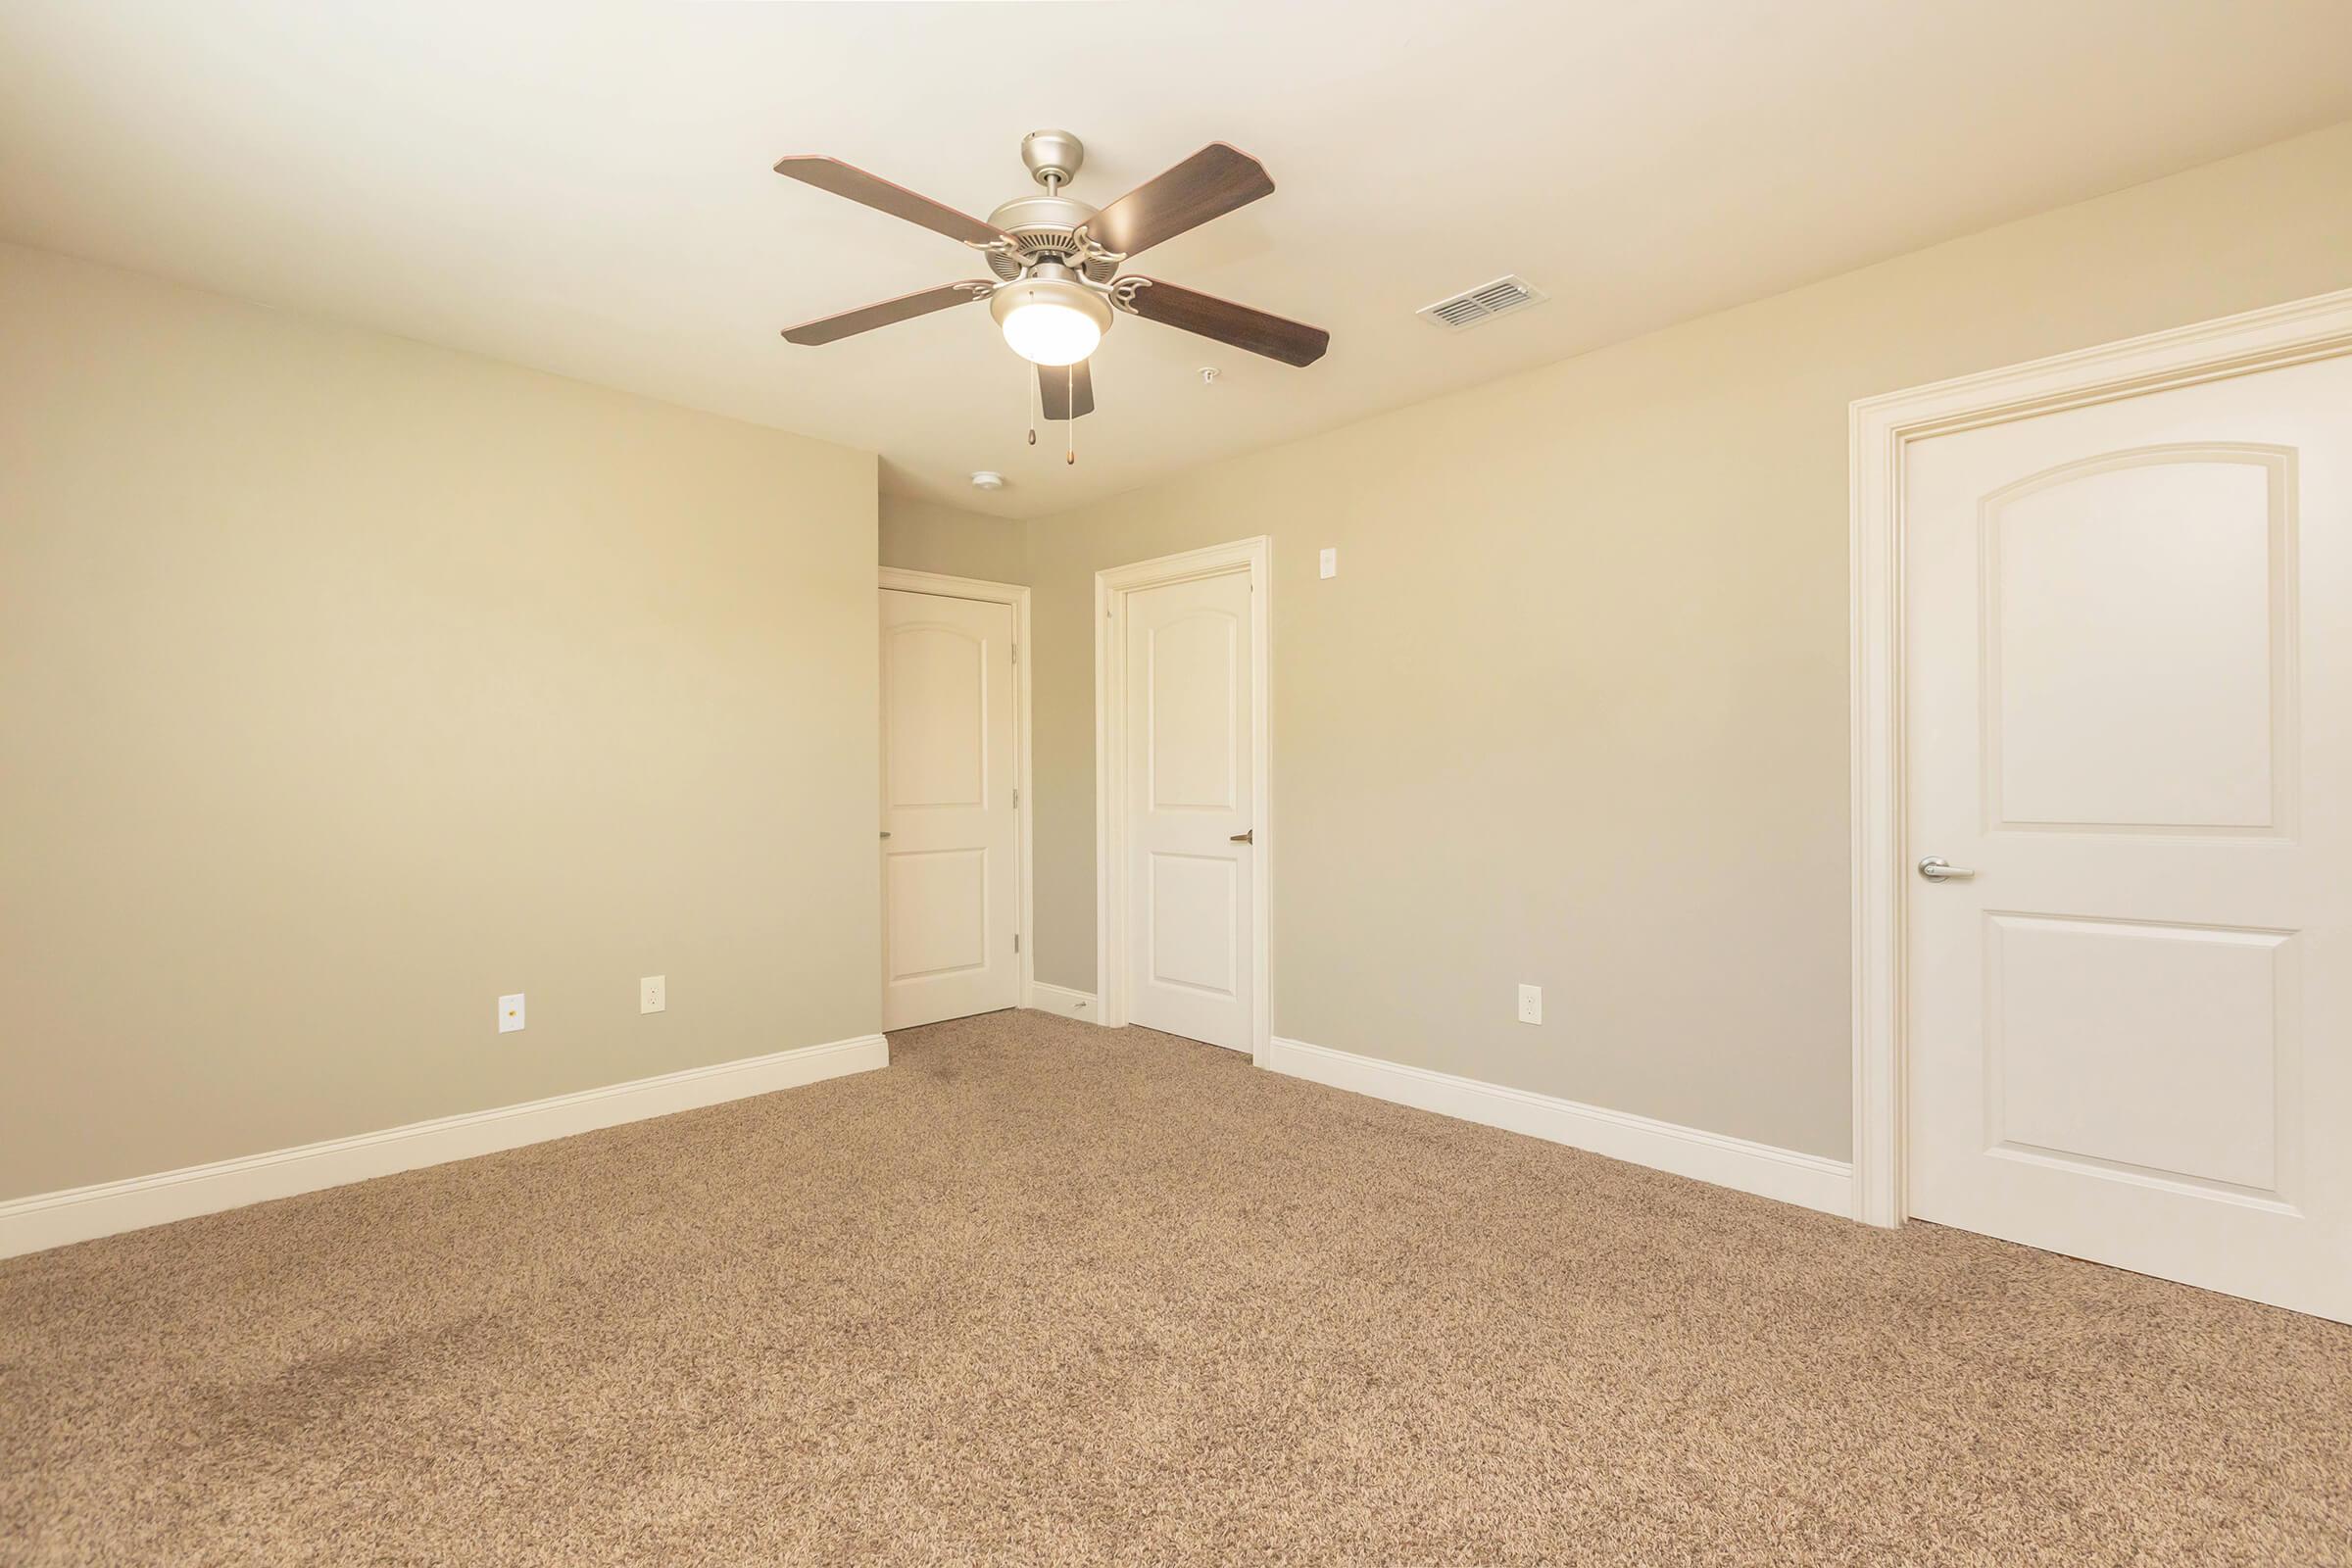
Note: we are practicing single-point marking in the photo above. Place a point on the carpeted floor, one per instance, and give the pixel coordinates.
(1045, 1293)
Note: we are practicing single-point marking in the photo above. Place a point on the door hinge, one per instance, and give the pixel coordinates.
(1017, 653)
(1016, 942)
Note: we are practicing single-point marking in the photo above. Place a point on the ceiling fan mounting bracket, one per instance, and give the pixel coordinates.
(1054, 157)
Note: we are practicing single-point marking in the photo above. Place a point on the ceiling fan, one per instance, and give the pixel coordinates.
(1057, 286)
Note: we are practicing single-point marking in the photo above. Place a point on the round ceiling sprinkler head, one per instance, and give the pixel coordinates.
(1051, 320)
(988, 480)
(1054, 157)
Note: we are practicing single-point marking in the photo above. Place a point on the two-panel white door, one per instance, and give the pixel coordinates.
(2128, 644)
(1189, 778)
(950, 882)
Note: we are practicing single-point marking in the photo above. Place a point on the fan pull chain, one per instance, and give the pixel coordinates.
(1069, 409)
(1036, 393)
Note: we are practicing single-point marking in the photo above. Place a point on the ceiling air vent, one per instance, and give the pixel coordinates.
(1483, 303)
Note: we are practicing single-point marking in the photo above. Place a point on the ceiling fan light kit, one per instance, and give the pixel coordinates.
(1049, 316)
(1057, 286)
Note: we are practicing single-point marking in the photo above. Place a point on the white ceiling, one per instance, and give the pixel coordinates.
(587, 188)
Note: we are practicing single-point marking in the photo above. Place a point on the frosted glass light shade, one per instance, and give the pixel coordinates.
(1051, 320)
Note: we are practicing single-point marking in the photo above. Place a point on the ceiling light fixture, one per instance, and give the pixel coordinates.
(1054, 263)
(1049, 317)
(988, 480)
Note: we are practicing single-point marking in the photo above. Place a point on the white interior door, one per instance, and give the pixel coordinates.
(2129, 714)
(950, 882)
(1189, 779)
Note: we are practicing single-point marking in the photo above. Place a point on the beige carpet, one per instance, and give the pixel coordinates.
(1043, 1292)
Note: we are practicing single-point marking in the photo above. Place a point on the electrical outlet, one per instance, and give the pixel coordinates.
(653, 993)
(510, 1013)
(1328, 564)
(1531, 1004)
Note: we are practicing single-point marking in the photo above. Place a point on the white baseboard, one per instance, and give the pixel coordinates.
(1760, 1168)
(1061, 1000)
(52, 1219)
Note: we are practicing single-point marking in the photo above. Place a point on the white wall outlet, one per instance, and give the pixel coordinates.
(1531, 1004)
(653, 993)
(510, 1013)
(1330, 563)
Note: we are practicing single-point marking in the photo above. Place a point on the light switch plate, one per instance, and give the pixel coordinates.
(1531, 1004)
(653, 993)
(510, 1013)
(1330, 563)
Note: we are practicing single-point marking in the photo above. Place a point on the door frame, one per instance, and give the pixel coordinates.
(1023, 853)
(1254, 556)
(1881, 430)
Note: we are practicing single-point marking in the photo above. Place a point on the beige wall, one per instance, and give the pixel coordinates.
(924, 536)
(1573, 711)
(348, 683)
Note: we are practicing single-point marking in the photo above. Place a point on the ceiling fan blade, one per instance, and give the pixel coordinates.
(1211, 182)
(906, 308)
(1291, 342)
(844, 180)
(1064, 388)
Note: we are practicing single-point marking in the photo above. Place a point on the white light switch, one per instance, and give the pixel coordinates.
(510, 1013)
(653, 993)
(1531, 1004)
(1331, 563)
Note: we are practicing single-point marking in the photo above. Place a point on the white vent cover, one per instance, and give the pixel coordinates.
(1483, 303)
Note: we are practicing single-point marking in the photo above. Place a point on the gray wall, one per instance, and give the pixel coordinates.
(924, 536)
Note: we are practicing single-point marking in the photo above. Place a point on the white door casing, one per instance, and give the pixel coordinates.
(2126, 614)
(1182, 807)
(952, 881)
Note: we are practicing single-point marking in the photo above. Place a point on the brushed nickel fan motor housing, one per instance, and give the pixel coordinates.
(1044, 228)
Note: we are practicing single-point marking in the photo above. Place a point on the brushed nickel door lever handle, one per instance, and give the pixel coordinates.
(1249, 837)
